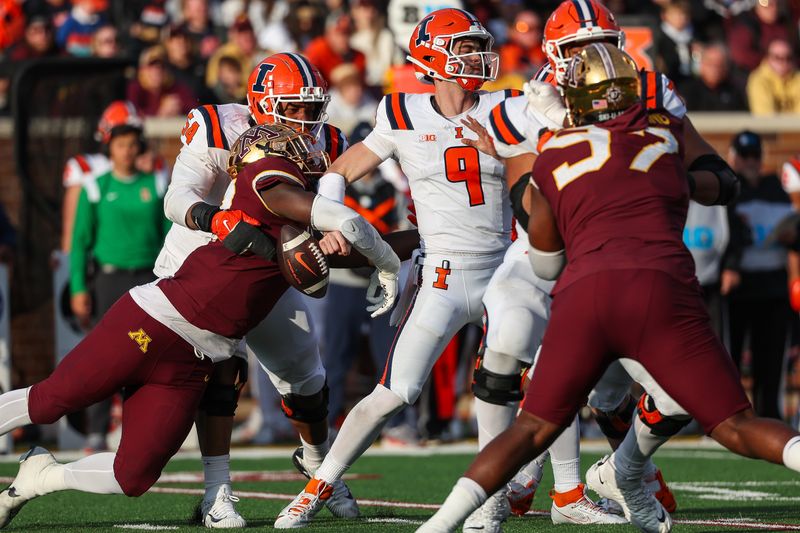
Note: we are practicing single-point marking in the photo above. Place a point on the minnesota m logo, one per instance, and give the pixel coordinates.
(141, 338)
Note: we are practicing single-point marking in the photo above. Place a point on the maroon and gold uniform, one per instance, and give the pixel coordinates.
(619, 195)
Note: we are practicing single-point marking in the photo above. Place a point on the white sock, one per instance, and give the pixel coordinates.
(94, 473)
(216, 472)
(330, 470)
(465, 497)
(492, 420)
(791, 454)
(14, 410)
(313, 454)
(565, 455)
(633, 455)
(361, 427)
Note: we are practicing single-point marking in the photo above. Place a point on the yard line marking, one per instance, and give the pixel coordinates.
(716, 522)
(274, 475)
(393, 521)
(146, 527)
(718, 492)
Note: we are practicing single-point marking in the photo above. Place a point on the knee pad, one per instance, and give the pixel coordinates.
(494, 388)
(513, 335)
(221, 399)
(307, 409)
(615, 424)
(660, 424)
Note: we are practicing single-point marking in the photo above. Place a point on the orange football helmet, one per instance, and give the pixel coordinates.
(578, 21)
(284, 78)
(431, 49)
(118, 113)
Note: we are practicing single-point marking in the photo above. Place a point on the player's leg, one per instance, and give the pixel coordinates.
(433, 317)
(573, 358)
(612, 404)
(214, 426)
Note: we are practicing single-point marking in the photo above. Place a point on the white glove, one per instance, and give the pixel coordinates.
(544, 98)
(382, 292)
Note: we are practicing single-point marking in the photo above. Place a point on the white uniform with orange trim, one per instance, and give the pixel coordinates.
(790, 175)
(464, 222)
(84, 168)
(283, 342)
(510, 308)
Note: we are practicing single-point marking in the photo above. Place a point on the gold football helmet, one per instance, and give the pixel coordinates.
(602, 82)
(277, 140)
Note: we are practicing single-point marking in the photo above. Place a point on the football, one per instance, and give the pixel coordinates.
(302, 262)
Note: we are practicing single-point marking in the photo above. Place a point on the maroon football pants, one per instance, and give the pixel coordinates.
(163, 380)
(645, 315)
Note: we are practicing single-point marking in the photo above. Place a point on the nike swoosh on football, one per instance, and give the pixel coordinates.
(298, 256)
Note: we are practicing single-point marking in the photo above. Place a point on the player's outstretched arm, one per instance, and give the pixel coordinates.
(353, 164)
(402, 242)
(712, 180)
(546, 252)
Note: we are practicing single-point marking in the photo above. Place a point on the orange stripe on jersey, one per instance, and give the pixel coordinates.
(651, 90)
(216, 130)
(334, 152)
(501, 128)
(397, 111)
(543, 138)
(83, 163)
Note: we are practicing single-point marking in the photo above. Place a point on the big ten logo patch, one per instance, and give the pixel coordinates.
(441, 275)
(141, 338)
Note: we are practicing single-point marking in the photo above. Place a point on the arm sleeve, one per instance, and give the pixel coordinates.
(381, 141)
(82, 240)
(195, 170)
(672, 101)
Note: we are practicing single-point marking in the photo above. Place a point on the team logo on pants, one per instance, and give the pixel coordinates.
(141, 338)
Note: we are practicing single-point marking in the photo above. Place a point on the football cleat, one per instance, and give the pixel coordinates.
(641, 508)
(341, 504)
(23, 488)
(305, 506)
(219, 512)
(573, 507)
(520, 495)
(610, 506)
(658, 487)
(489, 517)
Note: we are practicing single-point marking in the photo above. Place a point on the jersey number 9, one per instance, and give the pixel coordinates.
(462, 164)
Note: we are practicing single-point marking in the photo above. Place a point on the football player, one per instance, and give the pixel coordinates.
(286, 89)
(160, 340)
(463, 216)
(611, 194)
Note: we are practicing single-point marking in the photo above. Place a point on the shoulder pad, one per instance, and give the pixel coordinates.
(203, 129)
(396, 111)
(335, 142)
(503, 128)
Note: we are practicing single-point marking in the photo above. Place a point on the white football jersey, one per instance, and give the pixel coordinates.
(84, 168)
(790, 175)
(459, 193)
(201, 173)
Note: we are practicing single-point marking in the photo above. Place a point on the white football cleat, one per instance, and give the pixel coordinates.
(610, 506)
(23, 488)
(305, 506)
(219, 512)
(341, 504)
(641, 508)
(573, 507)
(489, 517)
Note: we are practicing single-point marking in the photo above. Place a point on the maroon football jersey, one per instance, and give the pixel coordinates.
(229, 294)
(619, 193)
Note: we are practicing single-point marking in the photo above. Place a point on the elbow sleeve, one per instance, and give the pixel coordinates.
(332, 186)
(547, 265)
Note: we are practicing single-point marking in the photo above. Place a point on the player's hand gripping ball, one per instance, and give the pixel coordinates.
(302, 262)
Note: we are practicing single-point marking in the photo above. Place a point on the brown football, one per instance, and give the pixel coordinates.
(302, 262)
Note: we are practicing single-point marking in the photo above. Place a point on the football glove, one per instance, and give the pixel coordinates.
(382, 292)
(545, 99)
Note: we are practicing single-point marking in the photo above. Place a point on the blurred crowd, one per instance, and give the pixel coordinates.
(724, 55)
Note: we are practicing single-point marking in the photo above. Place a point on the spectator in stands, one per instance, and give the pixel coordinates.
(522, 53)
(183, 63)
(305, 23)
(373, 39)
(750, 33)
(56, 11)
(155, 92)
(674, 40)
(241, 47)
(350, 103)
(200, 28)
(105, 43)
(75, 36)
(38, 41)
(230, 87)
(8, 239)
(333, 48)
(120, 225)
(759, 305)
(147, 30)
(774, 87)
(713, 89)
(12, 23)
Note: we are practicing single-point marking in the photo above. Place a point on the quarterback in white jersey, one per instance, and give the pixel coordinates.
(282, 88)
(463, 215)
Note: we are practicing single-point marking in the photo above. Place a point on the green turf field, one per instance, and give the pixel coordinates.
(716, 491)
